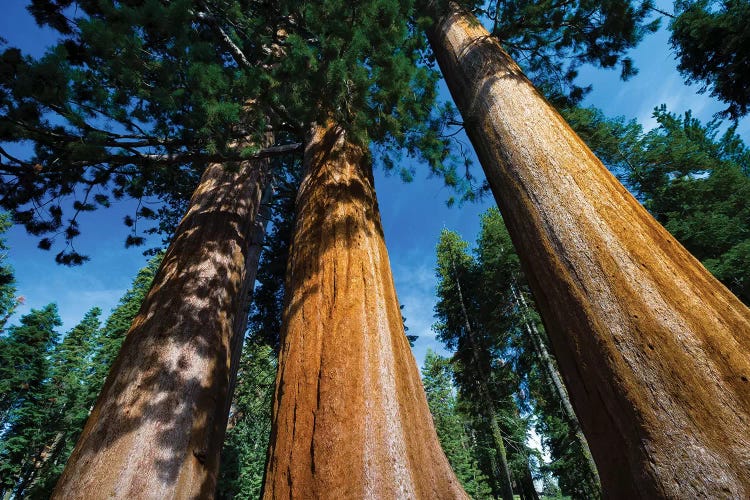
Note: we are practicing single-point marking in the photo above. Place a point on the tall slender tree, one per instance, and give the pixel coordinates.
(633, 317)
(27, 398)
(502, 288)
(70, 380)
(452, 426)
(459, 328)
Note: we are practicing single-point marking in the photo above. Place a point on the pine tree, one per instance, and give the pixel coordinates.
(452, 427)
(244, 453)
(8, 300)
(478, 350)
(503, 289)
(631, 314)
(27, 398)
(110, 337)
(710, 39)
(71, 369)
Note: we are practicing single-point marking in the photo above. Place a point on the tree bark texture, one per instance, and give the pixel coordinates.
(157, 428)
(350, 417)
(654, 350)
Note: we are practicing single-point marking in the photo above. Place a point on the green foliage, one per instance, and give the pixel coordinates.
(469, 323)
(48, 388)
(70, 377)
(711, 40)
(26, 397)
(692, 177)
(243, 456)
(110, 337)
(503, 354)
(137, 97)
(8, 300)
(453, 428)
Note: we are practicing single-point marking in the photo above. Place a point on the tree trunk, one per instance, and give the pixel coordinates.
(503, 473)
(527, 484)
(350, 417)
(157, 428)
(653, 348)
(554, 376)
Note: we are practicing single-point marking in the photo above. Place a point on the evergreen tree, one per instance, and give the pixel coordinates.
(74, 370)
(482, 375)
(27, 397)
(453, 429)
(622, 301)
(8, 300)
(110, 337)
(711, 40)
(244, 454)
(71, 370)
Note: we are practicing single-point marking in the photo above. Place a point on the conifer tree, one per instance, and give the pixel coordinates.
(204, 91)
(350, 416)
(479, 321)
(503, 289)
(691, 177)
(8, 300)
(246, 444)
(711, 41)
(71, 369)
(616, 291)
(27, 398)
(452, 426)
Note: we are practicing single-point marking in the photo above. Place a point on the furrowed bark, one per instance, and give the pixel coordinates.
(653, 349)
(157, 428)
(350, 416)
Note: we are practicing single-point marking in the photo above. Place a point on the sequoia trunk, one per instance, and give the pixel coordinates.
(654, 350)
(350, 417)
(157, 428)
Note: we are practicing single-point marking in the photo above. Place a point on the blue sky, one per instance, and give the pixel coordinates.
(413, 214)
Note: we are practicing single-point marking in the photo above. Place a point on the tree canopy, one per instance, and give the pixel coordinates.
(711, 40)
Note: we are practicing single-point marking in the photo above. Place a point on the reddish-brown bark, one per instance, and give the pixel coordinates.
(350, 415)
(655, 351)
(157, 428)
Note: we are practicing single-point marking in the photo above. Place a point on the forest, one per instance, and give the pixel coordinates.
(589, 331)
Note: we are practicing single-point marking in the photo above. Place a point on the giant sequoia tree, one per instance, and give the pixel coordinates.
(204, 91)
(653, 348)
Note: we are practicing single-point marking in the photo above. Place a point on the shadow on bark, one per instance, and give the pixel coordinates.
(159, 422)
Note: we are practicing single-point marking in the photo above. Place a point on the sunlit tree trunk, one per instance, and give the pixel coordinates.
(655, 351)
(157, 428)
(350, 416)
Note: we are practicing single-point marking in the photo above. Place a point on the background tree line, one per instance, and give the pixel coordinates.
(186, 130)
